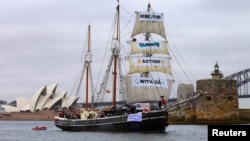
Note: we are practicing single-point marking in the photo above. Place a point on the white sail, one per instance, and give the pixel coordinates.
(147, 64)
(149, 47)
(141, 89)
(149, 22)
(148, 58)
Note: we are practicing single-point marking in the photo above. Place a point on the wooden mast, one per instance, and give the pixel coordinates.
(147, 36)
(116, 54)
(87, 72)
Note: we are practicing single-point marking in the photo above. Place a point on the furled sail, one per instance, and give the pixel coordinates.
(141, 89)
(147, 64)
(149, 22)
(149, 47)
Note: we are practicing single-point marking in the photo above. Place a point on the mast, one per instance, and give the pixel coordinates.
(147, 36)
(87, 69)
(113, 65)
(116, 50)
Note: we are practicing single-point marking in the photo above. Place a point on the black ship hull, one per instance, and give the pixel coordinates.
(150, 122)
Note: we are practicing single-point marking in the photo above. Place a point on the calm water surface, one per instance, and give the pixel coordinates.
(21, 131)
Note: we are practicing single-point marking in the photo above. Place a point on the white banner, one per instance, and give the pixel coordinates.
(143, 81)
(135, 117)
(150, 45)
(153, 17)
(150, 61)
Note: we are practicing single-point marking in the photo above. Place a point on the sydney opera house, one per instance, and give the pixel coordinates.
(45, 98)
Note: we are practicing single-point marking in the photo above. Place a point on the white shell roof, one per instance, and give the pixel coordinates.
(35, 98)
(9, 108)
(57, 97)
(44, 98)
(22, 102)
(68, 101)
(50, 90)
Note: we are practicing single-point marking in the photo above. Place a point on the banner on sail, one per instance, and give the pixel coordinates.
(151, 16)
(141, 92)
(146, 64)
(144, 81)
(149, 47)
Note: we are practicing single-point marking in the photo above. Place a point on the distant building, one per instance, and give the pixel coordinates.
(44, 98)
(184, 91)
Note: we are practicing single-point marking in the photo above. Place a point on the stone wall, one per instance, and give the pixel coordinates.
(217, 104)
(219, 100)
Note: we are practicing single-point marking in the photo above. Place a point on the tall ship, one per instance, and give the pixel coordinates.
(144, 85)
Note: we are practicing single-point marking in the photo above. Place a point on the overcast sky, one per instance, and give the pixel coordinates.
(41, 41)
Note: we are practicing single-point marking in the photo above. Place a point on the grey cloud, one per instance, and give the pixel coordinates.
(41, 41)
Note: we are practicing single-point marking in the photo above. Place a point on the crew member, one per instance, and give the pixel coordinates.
(163, 102)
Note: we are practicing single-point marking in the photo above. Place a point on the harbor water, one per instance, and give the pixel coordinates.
(22, 131)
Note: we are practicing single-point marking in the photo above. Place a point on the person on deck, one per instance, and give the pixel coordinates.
(162, 102)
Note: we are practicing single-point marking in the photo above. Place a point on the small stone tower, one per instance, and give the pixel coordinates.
(219, 100)
(184, 91)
